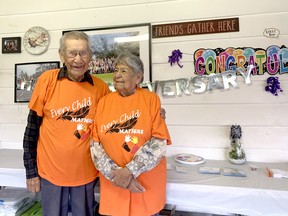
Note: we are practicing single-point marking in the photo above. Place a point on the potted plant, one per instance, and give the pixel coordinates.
(236, 153)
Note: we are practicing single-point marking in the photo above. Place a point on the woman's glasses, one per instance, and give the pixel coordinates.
(123, 71)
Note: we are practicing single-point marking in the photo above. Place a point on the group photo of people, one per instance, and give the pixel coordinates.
(11, 45)
(135, 170)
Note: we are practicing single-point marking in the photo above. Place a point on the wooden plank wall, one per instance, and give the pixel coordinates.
(198, 123)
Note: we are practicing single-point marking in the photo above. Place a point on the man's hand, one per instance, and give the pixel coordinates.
(135, 186)
(163, 113)
(121, 177)
(33, 184)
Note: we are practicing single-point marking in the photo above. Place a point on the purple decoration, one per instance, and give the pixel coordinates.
(273, 85)
(175, 57)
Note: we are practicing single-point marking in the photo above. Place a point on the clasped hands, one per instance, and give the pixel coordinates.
(123, 178)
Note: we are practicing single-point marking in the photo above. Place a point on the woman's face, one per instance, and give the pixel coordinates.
(125, 80)
(76, 57)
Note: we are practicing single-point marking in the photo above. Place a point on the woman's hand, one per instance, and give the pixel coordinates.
(121, 177)
(135, 186)
(33, 184)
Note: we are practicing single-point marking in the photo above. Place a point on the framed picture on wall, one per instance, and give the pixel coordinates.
(11, 45)
(26, 75)
(107, 43)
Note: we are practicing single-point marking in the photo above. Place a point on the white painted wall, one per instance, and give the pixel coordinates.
(198, 124)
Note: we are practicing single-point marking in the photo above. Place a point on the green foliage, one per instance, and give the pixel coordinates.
(233, 154)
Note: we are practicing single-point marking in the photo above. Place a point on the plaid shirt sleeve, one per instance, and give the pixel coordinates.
(30, 141)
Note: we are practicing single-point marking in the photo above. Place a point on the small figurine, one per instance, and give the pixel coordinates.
(236, 132)
(236, 153)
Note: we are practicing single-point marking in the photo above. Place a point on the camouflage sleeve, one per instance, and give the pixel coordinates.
(148, 156)
(101, 160)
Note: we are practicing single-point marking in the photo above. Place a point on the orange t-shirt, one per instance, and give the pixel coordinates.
(123, 125)
(68, 109)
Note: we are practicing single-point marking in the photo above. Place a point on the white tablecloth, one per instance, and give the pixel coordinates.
(256, 194)
(12, 172)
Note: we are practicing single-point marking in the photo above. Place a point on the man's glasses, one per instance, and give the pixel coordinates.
(73, 53)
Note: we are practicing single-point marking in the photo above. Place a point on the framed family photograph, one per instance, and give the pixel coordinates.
(107, 43)
(26, 75)
(11, 45)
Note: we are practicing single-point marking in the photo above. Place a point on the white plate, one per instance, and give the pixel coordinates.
(186, 158)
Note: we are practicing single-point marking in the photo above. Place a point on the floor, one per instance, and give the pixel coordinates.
(167, 212)
(180, 213)
(169, 209)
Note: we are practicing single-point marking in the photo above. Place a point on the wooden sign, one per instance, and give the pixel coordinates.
(194, 28)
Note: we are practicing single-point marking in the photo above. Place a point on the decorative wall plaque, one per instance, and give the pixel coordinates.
(195, 28)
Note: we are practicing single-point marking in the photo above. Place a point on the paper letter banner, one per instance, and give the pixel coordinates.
(199, 84)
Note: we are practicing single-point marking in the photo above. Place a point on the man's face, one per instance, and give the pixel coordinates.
(76, 57)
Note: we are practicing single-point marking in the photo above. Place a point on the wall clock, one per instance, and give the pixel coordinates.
(36, 40)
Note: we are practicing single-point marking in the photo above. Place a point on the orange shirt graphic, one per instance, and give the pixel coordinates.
(68, 109)
(123, 125)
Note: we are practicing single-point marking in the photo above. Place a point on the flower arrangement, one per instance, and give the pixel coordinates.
(236, 153)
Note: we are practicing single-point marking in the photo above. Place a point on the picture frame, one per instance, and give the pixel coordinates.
(11, 45)
(108, 42)
(26, 75)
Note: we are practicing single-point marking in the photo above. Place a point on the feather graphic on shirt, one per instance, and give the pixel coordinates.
(81, 113)
(126, 125)
(126, 147)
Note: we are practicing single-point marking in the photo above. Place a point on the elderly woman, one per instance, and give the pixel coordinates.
(129, 145)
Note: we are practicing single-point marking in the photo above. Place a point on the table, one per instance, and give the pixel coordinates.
(253, 195)
(12, 172)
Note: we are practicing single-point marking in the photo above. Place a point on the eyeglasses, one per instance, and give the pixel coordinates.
(123, 71)
(73, 53)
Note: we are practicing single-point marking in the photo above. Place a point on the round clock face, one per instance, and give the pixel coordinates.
(36, 40)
